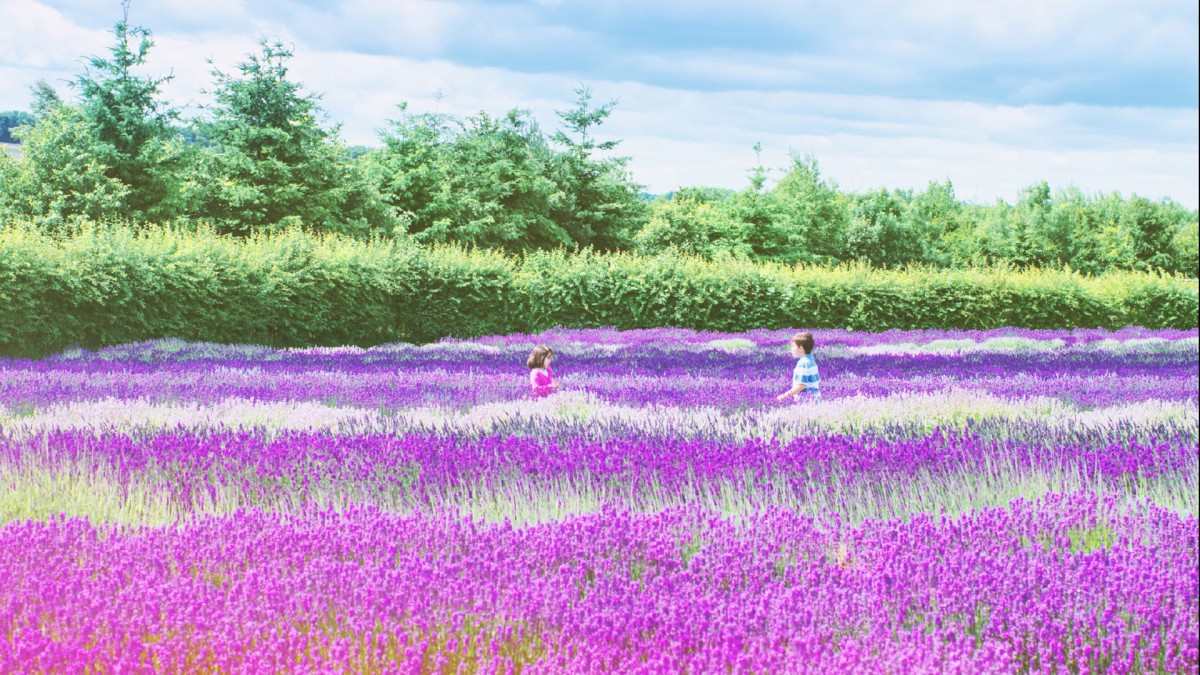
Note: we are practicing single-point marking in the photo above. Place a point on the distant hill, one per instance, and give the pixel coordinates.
(13, 149)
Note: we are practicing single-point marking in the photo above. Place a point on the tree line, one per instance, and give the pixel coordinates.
(259, 158)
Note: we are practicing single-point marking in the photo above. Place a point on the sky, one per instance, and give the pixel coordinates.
(1100, 95)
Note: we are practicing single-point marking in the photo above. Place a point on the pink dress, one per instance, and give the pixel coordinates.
(541, 381)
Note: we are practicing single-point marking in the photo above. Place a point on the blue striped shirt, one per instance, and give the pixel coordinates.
(806, 373)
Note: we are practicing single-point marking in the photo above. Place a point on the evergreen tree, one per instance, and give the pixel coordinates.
(125, 112)
(501, 168)
(271, 165)
(601, 205)
(765, 229)
(483, 180)
(813, 210)
(412, 171)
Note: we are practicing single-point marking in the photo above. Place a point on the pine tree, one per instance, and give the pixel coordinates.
(603, 207)
(128, 118)
(272, 165)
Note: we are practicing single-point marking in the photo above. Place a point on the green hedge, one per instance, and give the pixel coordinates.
(109, 285)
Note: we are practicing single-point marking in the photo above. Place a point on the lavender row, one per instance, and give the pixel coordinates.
(1071, 583)
(459, 376)
(194, 471)
(577, 415)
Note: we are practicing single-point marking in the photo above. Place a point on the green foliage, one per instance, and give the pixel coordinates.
(715, 224)
(63, 177)
(100, 285)
(1186, 245)
(447, 290)
(11, 119)
(765, 228)
(631, 291)
(802, 220)
(812, 211)
(496, 182)
(111, 284)
(805, 219)
(1150, 233)
(942, 222)
(691, 222)
(271, 166)
(412, 172)
(600, 205)
(481, 181)
(131, 124)
(880, 232)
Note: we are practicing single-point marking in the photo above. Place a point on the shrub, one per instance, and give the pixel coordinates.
(109, 284)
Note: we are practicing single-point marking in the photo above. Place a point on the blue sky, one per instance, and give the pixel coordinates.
(992, 96)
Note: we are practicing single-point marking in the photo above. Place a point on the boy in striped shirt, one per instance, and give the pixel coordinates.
(806, 381)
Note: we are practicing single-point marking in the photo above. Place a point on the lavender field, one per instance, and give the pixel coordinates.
(960, 501)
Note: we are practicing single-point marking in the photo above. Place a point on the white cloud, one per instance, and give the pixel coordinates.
(35, 36)
(679, 138)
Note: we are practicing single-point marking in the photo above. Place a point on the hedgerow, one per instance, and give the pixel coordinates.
(109, 284)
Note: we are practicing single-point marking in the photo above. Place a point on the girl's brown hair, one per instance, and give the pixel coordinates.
(537, 358)
(803, 341)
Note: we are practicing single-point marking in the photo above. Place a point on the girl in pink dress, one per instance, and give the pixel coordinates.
(541, 377)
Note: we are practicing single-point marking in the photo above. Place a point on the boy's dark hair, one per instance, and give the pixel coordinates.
(803, 341)
(537, 358)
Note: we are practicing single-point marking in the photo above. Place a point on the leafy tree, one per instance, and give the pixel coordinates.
(943, 225)
(10, 120)
(812, 211)
(601, 205)
(63, 176)
(996, 232)
(1041, 236)
(1115, 248)
(129, 119)
(706, 195)
(190, 134)
(880, 232)
(1186, 243)
(497, 182)
(691, 221)
(502, 169)
(1074, 231)
(1149, 232)
(412, 172)
(271, 165)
